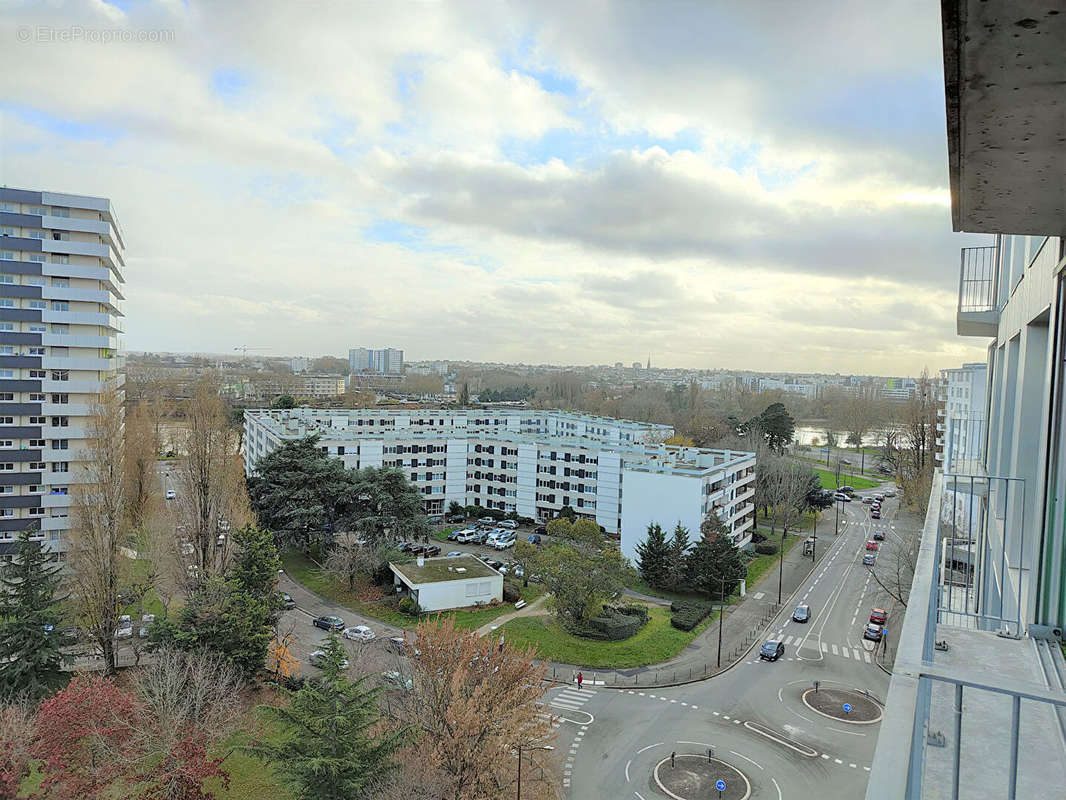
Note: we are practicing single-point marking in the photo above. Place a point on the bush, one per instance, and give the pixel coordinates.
(407, 606)
(766, 548)
(526, 521)
(628, 611)
(757, 537)
(689, 614)
(511, 593)
(615, 627)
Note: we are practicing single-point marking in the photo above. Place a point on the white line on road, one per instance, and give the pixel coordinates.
(638, 794)
(649, 747)
(777, 787)
(700, 744)
(835, 651)
(738, 755)
(849, 733)
(627, 769)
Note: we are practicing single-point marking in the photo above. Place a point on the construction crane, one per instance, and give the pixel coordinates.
(244, 348)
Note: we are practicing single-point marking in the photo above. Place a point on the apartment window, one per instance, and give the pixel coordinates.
(7, 466)
(62, 329)
(6, 397)
(60, 259)
(60, 466)
(7, 326)
(60, 422)
(60, 305)
(36, 397)
(60, 212)
(61, 283)
(61, 444)
(37, 258)
(40, 211)
(6, 302)
(7, 443)
(7, 489)
(36, 351)
(37, 511)
(37, 420)
(7, 373)
(60, 375)
(36, 466)
(34, 280)
(36, 442)
(36, 234)
(58, 490)
(7, 278)
(60, 399)
(7, 255)
(7, 420)
(36, 327)
(60, 236)
(7, 512)
(37, 373)
(7, 350)
(40, 305)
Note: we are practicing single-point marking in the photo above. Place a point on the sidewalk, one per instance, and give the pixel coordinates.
(742, 629)
(533, 610)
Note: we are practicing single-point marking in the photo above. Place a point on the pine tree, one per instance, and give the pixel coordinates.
(329, 749)
(653, 556)
(715, 567)
(676, 565)
(30, 659)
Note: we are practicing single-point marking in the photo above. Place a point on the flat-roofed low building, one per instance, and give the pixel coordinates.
(437, 584)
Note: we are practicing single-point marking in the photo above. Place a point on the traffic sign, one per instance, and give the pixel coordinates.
(720, 785)
(847, 707)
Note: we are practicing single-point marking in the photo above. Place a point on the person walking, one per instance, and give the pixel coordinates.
(580, 679)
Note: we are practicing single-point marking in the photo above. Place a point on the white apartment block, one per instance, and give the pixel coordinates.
(60, 302)
(531, 462)
(385, 361)
(960, 436)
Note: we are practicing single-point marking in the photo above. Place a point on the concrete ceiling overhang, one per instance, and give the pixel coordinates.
(1005, 84)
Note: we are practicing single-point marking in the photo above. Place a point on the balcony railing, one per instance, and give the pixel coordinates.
(978, 313)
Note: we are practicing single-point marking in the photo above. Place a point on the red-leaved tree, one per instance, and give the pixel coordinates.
(16, 736)
(82, 733)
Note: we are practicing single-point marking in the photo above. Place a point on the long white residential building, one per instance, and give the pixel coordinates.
(531, 462)
(960, 435)
(60, 304)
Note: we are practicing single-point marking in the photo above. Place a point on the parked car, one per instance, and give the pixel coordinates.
(879, 616)
(540, 530)
(534, 538)
(487, 521)
(125, 627)
(890, 493)
(404, 546)
(872, 545)
(847, 489)
(802, 613)
(416, 549)
(397, 681)
(359, 633)
(494, 563)
(867, 500)
(328, 623)
(841, 497)
(286, 600)
(772, 650)
(879, 536)
(868, 559)
(171, 494)
(873, 632)
(431, 550)
(875, 514)
(510, 524)
(467, 536)
(454, 535)
(876, 505)
(482, 536)
(435, 519)
(146, 623)
(880, 498)
(454, 554)
(503, 542)
(492, 536)
(318, 659)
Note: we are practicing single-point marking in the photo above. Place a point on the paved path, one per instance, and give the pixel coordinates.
(534, 609)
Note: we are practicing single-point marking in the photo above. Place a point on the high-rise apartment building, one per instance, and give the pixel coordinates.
(61, 268)
(386, 361)
(976, 707)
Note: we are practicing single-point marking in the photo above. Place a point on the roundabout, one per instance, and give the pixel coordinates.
(843, 705)
(694, 777)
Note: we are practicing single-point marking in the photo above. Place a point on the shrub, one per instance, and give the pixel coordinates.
(407, 606)
(628, 610)
(766, 548)
(511, 593)
(757, 537)
(616, 627)
(689, 614)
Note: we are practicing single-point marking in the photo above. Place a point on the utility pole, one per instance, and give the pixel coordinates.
(781, 566)
(721, 618)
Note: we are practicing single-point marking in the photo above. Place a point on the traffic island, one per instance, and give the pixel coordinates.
(694, 777)
(844, 705)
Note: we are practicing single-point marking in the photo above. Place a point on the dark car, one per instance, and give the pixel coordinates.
(455, 534)
(431, 550)
(847, 489)
(417, 549)
(534, 538)
(868, 559)
(802, 614)
(873, 632)
(771, 651)
(540, 530)
(456, 517)
(879, 616)
(875, 514)
(286, 600)
(879, 536)
(404, 546)
(328, 623)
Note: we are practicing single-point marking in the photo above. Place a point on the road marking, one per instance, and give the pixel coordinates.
(627, 769)
(738, 755)
(649, 747)
(856, 652)
(825, 756)
(850, 733)
(566, 706)
(777, 787)
(835, 651)
(852, 766)
(695, 706)
(825, 647)
(699, 744)
(866, 768)
(638, 794)
(866, 656)
(844, 652)
(759, 595)
(725, 716)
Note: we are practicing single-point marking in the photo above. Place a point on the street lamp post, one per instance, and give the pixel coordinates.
(721, 617)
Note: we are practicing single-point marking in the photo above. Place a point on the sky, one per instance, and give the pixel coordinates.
(719, 185)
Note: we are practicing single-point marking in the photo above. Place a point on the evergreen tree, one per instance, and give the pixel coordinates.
(715, 567)
(653, 556)
(329, 748)
(677, 566)
(30, 658)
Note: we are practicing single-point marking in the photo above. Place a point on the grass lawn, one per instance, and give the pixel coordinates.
(303, 570)
(758, 566)
(829, 480)
(638, 584)
(656, 641)
(442, 534)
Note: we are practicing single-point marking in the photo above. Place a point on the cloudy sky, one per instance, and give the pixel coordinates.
(739, 185)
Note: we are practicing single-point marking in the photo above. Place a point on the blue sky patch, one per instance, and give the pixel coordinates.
(229, 84)
(416, 239)
(67, 128)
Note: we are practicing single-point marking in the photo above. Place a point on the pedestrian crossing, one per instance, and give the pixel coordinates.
(571, 699)
(798, 647)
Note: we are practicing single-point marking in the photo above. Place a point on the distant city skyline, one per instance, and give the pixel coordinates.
(511, 181)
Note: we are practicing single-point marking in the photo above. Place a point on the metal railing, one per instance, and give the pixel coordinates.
(978, 276)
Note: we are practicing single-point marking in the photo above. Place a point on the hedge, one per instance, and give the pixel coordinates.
(687, 615)
(615, 627)
(511, 593)
(766, 548)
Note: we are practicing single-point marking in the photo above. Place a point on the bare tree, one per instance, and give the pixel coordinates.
(475, 703)
(787, 485)
(17, 725)
(858, 415)
(350, 560)
(99, 532)
(141, 453)
(918, 439)
(211, 494)
(895, 574)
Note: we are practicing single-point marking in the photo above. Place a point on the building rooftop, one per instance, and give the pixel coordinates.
(436, 570)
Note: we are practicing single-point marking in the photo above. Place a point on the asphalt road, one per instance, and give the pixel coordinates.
(753, 716)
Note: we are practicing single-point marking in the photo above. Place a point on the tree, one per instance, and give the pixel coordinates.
(473, 703)
(99, 530)
(17, 723)
(141, 453)
(210, 477)
(566, 512)
(333, 744)
(712, 527)
(387, 506)
(788, 484)
(464, 395)
(680, 440)
(777, 427)
(653, 557)
(83, 736)
(676, 564)
(455, 508)
(30, 659)
(580, 572)
(255, 568)
(716, 567)
(857, 415)
(284, 401)
(916, 467)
